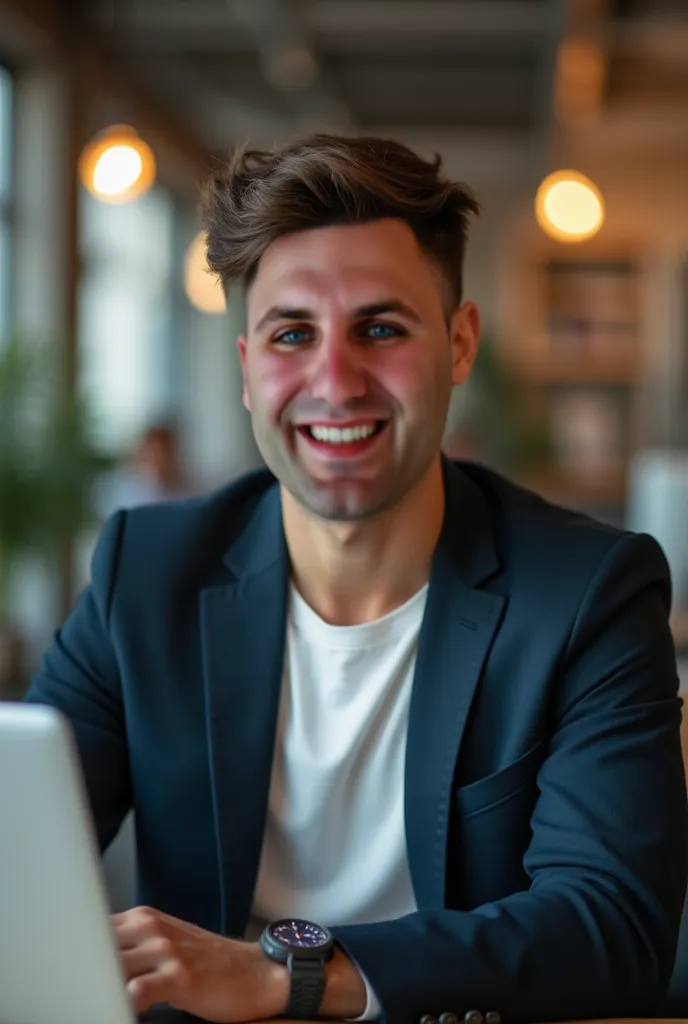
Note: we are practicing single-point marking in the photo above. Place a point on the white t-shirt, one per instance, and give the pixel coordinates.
(334, 849)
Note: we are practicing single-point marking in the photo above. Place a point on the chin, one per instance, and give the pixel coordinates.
(344, 503)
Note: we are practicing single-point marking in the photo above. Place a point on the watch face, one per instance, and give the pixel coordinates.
(297, 934)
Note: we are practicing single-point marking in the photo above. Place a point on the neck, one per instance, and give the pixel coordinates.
(351, 573)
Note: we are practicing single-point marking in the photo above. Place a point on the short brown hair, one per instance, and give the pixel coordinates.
(323, 180)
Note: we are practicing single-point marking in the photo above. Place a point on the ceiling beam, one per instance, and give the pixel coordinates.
(227, 42)
(421, 17)
(327, 20)
(459, 87)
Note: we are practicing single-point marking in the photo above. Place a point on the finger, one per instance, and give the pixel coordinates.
(130, 936)
(135, 926)
(143, 911)
(158, 986)
(133, 914)
(148, 956)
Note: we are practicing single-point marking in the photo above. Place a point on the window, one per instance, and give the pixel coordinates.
(126, 312)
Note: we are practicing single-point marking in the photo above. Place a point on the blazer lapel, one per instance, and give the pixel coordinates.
(459, 624)
(243, 633)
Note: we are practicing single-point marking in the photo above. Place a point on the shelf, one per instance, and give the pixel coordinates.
(586, 320)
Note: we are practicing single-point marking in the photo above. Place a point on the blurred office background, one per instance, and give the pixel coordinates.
(568, 117)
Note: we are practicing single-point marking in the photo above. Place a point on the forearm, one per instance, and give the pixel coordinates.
(571, 953)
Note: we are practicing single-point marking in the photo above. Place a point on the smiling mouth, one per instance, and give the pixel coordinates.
(343, 435)
(343, 442)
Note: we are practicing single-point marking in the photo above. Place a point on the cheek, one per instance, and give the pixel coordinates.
(272, 383)
(414, 379)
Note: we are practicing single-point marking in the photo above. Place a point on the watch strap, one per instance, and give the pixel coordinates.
(307, 988)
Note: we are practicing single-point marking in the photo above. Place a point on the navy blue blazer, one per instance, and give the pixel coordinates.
(544, 785)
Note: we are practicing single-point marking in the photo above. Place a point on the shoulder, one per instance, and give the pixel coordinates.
(165, 537)
(229, 506)
(538, 540)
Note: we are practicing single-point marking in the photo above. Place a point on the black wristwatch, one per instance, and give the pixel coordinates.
(304, 948)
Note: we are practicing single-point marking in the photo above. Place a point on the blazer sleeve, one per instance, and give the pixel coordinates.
(79, 676)
(595, 934)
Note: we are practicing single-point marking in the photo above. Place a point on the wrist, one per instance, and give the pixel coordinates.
(272, 981)
(345, 991)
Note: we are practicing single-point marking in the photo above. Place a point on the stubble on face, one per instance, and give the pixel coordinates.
(338, 374)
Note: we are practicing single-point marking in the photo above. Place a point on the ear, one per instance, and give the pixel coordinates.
(241, 345)
(464, 332)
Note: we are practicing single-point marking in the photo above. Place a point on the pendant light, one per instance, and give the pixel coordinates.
(117, 165)
(569, 206)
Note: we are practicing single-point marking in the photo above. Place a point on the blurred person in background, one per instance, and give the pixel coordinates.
(401, 738)
(153, 472)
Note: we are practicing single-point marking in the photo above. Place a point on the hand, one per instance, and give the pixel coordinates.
(223, 980)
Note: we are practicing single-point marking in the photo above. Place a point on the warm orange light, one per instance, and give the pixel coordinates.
(569, 207)
(203, 289)
(117, 166)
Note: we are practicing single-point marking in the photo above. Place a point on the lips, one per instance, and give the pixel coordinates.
(342, 435)
(343, 441)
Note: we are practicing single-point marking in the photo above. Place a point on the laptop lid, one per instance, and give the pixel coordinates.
(58, 959)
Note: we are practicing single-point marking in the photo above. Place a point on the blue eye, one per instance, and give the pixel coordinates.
(294, 336)
(383, 331)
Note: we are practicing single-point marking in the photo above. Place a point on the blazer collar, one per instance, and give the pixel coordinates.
(466, 540)
(261, 544)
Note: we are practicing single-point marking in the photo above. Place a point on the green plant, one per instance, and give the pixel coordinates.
(48, 464)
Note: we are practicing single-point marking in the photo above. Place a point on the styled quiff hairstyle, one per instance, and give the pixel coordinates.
(323, 180)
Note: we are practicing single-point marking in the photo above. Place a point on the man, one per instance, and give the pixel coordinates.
(387, 694)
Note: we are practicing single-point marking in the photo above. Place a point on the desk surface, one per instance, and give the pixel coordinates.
(167, 1016)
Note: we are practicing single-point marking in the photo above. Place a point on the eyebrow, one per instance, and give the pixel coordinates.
(361, 312)
(283, 313)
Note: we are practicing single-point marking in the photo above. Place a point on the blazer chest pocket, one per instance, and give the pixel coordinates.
(493, 830)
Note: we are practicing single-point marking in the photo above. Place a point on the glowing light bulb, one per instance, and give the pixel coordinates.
(116, 170)
(569, 207)
(117, 166)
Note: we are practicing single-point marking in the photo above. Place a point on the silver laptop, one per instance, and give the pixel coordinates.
(58, 959)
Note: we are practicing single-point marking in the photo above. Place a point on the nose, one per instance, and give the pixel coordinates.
(338, 375)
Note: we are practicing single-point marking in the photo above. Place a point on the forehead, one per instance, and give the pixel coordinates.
(344, 264)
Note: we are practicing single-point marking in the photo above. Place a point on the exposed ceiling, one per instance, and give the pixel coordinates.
(267, 68)
(468, 76)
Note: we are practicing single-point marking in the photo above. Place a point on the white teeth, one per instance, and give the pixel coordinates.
(333, 435)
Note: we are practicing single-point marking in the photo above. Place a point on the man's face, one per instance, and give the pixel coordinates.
(349, 362)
